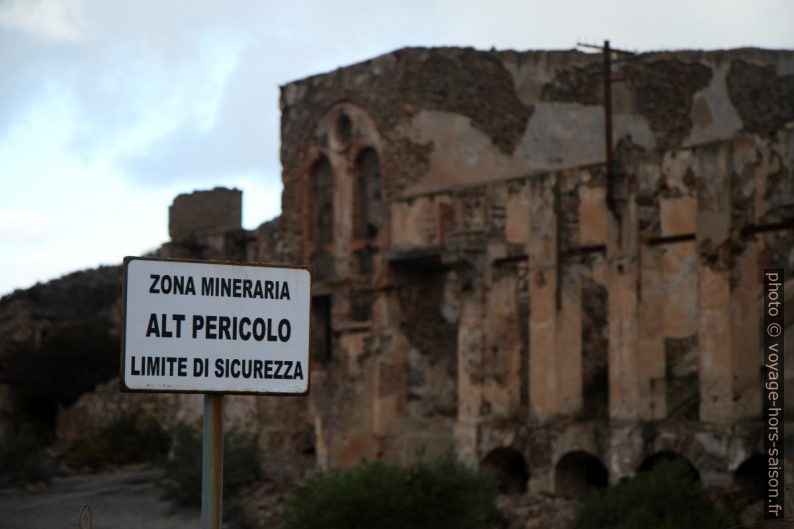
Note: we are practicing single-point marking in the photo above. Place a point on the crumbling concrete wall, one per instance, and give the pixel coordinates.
(459, 116)
(511, 305)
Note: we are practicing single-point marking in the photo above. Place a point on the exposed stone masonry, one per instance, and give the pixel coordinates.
(608, 334)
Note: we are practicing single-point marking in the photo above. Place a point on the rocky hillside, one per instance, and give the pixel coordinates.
(57, 340)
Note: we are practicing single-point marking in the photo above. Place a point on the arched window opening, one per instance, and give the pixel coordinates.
(323, 218)
(668, 457)
(344, 129)
(368, 211)
(510, 468)
(749, 479)
(321, 332)
(577, 472)
(322, 178)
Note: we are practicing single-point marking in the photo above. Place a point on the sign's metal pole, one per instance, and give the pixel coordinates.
(212, 462)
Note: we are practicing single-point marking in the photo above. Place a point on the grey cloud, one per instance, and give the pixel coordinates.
(137, 56)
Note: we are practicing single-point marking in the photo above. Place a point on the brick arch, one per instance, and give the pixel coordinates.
(349, 137)
(578, 471)
(510, 467)
(748, 479)
(650, 462)
(345, 127)
(684, 445)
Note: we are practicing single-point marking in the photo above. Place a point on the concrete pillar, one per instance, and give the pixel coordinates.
(714, 319)
(389, 395)
(623, 279)
(569, 343)
(471, 343)
(746, 317)
(714, 340)
(542, 269)
(502, 355)
(650, 340)
(343, 218)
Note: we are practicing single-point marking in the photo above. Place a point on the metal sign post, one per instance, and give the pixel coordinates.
(212, 463)
(214, 328)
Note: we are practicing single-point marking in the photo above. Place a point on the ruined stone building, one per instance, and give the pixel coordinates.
(480, 284)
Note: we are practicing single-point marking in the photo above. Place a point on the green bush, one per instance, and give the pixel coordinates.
(665, 497)
(181, 481)
(130, 438)
(22, 458)
(439, 494)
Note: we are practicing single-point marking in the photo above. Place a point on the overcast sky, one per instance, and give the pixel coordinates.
(109, 109)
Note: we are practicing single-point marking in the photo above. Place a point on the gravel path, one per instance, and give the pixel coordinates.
(126, 499)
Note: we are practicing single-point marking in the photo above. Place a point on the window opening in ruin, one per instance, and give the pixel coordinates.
(595, 350)
(749, 479)
(363, 261)
(344, 129)
(321, 332)
(577, 472)
(683, 382)
(368, 211)
(323, 218)
(510, 468)
(361, 302)
(668, 456)
(323, 183)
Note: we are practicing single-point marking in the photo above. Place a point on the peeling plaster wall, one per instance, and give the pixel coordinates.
(522, 311)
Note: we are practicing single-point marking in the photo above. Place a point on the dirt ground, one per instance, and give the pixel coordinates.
(126, 499)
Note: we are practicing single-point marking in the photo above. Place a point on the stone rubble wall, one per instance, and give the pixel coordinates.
(513, 308)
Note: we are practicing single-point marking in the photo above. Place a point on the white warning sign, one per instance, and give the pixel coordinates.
(214, 327)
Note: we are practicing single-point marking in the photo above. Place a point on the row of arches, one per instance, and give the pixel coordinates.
(578, 472)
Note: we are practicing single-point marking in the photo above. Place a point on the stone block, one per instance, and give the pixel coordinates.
(216, 209)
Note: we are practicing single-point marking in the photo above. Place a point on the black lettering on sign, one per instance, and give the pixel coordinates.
(219, 368)
(248, 368)
(165, 284)
(229, 287)
(278, 374)
(270, 336)
(153, 328)
(207, 286)
(198, 367)
(182, 367)
(284, 330)
(153, 288)
(161, 329)
(269, 290)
